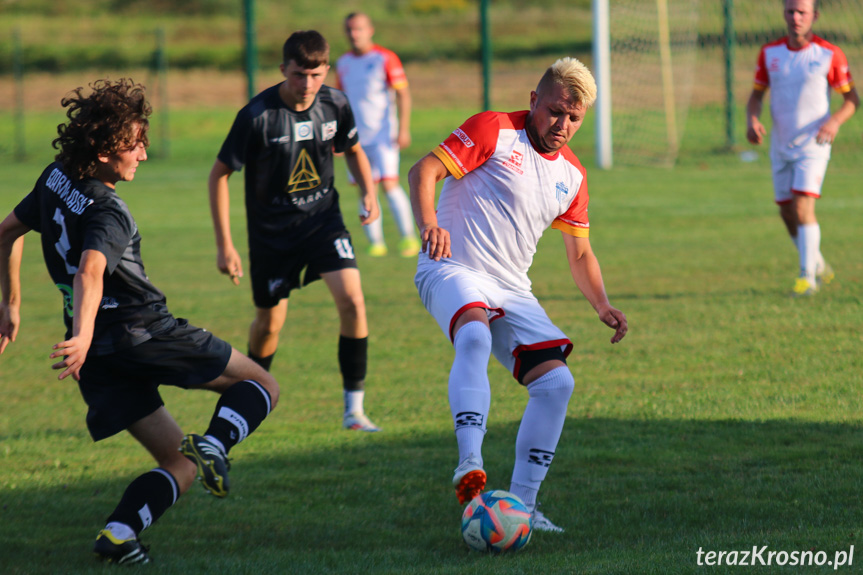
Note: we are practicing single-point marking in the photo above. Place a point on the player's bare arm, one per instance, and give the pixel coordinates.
(423, 177)
(585, 271)
(755, 130)
(830, 129)
(11, 248)
(403, 106)
(227, 259)
(87, 289)
(361, 170)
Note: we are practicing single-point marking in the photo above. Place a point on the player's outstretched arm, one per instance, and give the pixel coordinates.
(585, 271)
(361, 170)
(755, 130)
(87, 290)
(12, 232)
(227, 258)
(423, 177)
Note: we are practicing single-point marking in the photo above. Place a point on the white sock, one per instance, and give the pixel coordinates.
(469, 390)
(375, 230)
(809, 245)
(400, 206)
(120, 531)
(540, 431)
(354, 402)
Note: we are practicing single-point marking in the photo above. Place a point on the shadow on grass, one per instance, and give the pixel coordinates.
(634, 497)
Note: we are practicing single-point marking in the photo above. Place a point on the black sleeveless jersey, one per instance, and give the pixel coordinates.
(75, 216)
(288, 157)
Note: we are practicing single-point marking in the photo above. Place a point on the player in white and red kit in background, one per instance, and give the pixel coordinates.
(508, 177)
(799, 70)
(377, 88)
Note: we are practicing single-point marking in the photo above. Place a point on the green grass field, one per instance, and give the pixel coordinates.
(729, 417)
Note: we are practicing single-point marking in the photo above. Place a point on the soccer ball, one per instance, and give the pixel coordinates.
(496, 521)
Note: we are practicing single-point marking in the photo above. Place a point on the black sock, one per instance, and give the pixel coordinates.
(146, 499)
(353, 359)
(240, 411)
(264, 362)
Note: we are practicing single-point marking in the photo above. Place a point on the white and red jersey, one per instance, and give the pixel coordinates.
(800, 82)
(370, 81)
(503, 194)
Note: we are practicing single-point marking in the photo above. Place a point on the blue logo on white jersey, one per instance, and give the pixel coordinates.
(561, 191)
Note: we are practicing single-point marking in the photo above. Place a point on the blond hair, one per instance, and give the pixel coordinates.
(572, 75)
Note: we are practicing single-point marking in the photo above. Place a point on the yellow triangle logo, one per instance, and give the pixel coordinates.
(304, 175)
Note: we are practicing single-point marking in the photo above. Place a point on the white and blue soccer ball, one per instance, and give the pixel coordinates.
(496, 521)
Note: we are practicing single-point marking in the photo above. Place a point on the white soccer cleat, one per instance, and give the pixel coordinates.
(469, 479)
(540, 522)
(359, 422)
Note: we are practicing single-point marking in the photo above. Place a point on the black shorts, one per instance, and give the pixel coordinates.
(122, 387)
(276, 272)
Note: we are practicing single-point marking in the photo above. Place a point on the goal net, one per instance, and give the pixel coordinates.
(668, 65)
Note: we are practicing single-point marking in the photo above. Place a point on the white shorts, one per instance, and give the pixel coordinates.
(384, 159)
(803, 176)
(518, 323)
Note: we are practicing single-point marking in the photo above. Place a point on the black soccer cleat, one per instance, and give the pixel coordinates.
(212, 464)
(119, 551)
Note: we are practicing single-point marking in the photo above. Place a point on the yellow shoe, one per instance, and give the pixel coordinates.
(802, 287)
(409, 247)
(825, 276)
(377, 250)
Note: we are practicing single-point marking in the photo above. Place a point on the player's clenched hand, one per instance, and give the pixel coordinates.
(369, 210)
(230, 264)
(74, 354)
(436, 243)
(10, 319)
(615, 319)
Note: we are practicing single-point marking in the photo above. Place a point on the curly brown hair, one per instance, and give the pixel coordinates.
(111, 119)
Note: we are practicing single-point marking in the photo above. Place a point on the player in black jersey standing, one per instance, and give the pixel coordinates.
(285, 137)
(121, 341)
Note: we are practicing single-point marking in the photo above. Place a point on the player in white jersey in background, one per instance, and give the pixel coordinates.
(376, 85)
(508, 177)
(800, 69)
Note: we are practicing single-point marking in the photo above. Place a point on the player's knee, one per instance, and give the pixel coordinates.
(351, 306)
(557, 384)
(473, 337)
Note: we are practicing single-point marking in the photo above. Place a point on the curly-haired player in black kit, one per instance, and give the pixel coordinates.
(121, 341)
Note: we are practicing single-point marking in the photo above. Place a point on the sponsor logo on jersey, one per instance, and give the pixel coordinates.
(459, 133)
(109, 303)
(304, 131)
(68, 298)
(540, 457)
(281, 140)
(352, 133)
(328, 130)
(774, 65)
(304, 176)
(561, 191)
(515, 160)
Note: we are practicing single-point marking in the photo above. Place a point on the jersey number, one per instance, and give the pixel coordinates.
(63, 246)
(345, 249)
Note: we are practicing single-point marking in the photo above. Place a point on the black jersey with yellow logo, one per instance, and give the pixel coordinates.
(288, 158)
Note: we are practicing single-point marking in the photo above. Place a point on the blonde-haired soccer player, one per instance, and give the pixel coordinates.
(508, 177)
